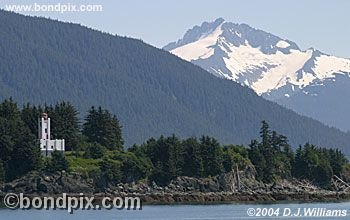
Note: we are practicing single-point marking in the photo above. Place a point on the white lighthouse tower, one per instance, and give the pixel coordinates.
(47, 146)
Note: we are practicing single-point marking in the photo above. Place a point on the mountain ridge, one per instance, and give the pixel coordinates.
(274, 68)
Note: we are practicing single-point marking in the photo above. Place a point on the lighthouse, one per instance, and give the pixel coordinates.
(47, 146)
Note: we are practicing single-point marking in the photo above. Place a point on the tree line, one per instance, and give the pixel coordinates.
(96, 148)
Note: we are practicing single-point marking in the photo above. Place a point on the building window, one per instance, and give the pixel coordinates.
(51, 147)
(45, 130)
(44, 146)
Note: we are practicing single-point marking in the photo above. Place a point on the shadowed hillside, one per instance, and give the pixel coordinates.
(150, 90)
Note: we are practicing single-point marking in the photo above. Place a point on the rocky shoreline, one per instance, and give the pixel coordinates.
(219, 189)
(228, 197)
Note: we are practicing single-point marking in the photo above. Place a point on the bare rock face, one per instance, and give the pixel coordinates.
(41, 184)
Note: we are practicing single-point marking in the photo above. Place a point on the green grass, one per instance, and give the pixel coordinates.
(83, 165)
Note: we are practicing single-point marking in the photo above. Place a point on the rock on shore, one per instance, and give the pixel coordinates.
(223, 188)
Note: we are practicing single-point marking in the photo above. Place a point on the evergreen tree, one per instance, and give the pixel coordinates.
(212, 155)
(265, 134)
(103, 128)
(336, 159)
(57, 162)
(299, 164)
(257, 159)
(30, 115)
(268, 152)
(322, 173)
(18, 150)
(193, 162)
(176, 160)
(65, 123)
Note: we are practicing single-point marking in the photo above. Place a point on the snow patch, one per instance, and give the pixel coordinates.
(282, 44)
(245, 58)
(326, 66)
(200, 49)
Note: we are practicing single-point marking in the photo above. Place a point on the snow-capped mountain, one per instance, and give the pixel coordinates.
(273, 67)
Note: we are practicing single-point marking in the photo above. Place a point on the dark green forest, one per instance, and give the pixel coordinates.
(96, 149)
(151, 91)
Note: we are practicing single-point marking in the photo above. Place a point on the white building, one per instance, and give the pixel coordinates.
(47, 146)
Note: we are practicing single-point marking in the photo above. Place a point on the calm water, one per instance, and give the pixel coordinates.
(171, 212)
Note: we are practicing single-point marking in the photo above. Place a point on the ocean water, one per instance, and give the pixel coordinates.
(192, 212)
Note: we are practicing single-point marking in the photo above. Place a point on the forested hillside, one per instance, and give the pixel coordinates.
(152, 92)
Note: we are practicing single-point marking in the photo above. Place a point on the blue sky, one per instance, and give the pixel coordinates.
(310, 23)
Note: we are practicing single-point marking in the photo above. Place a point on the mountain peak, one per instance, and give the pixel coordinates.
(219, 20)
(196, 33)
(230, 33)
